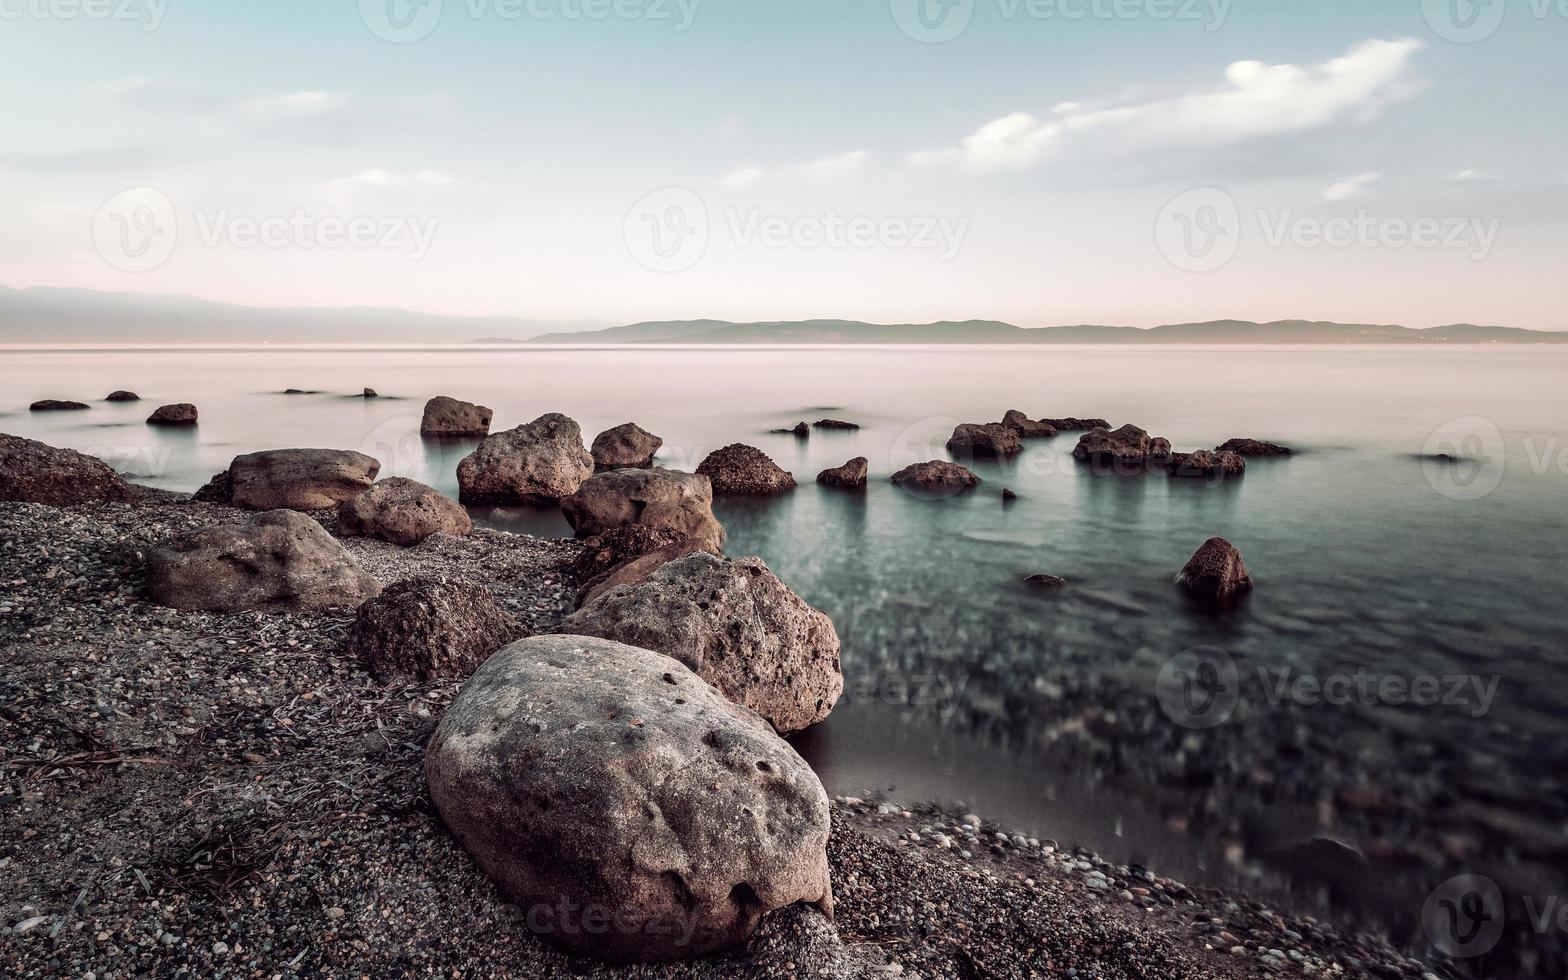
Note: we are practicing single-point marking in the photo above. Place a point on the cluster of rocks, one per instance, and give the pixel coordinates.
(1130, 450)
(801, 430)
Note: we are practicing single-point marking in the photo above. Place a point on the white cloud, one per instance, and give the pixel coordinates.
(1258, 100)
(1468, 176)
(377, 177)
(1347, 189)
(296, 105)
(844, 166)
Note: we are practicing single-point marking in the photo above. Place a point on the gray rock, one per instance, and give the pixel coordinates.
(422, 629)
(403, 512)
(590, 778)
(666, 499)
(936, 477)
(1215, 574)
(628, 444)
(1027, 428)
(36, 473)
(739, 469)
(850, 476)
(989, 440)
(735, 624)
(180, 413)
(635, 568)
(450, 417)
(300, 479)
(537, 463)
(276, 562)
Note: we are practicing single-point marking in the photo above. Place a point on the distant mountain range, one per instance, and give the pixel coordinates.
(43, 314)
(996, 332)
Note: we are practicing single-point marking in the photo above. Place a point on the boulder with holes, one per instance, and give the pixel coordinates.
(420, 629)
(33, 472)
(744, 470)
(402, 511)
(537, 463)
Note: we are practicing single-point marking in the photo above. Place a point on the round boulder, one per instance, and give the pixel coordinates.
(630, 810)
(936, 477)
(991, 440)
(850, 476)
(182, 413)
(628, 444)
(739, 469)
(735, 624)
(449, 417)
(537, 463)
(422, 629)
(123, 396)
(278, 561)
(666, 499)
(403, 512)
(33, 472)
(1216, 575)
(300, 479)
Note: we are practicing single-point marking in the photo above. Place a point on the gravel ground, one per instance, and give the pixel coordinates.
(192, 794)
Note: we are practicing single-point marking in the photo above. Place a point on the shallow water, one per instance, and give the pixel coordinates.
(1041, 709)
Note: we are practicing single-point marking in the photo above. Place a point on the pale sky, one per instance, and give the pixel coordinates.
(1038, 161)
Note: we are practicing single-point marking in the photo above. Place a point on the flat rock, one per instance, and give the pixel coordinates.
(403, 512)
(1076, 425)
(739, 469)
(587, 775)
(537, 463)
(56, 405)
(422, 629)
(628, 444)
(735, 624)
(1215, 574)
(180, 413)
(681, 503)
(850, 476)
(34, 472)
(987, 440)
(839, 424)
(446, 416)
(276, 562)
(1206, 465)
(299, 479)
(936, 476)
(1253, 447)
(1040, 580)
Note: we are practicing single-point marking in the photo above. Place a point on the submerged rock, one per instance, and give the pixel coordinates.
(1027, 429)
(369, 393)
(123, 396)
(739, 469)
(1040, 580)
(450, 417)
(735, 624)
(180, 413)
(850, 476)
(1215, 575)
(839, 424)
(278, 561)
(988, 440)
(1253, 447)
(403, 512)
(33, 472)
(592, 776)
(1128, 449)
(936, 476)
(422, 629)
(628, 444)
(1076, 425)
(681, 503)
(1207, 465)
(56, 405)
(300, 479)
(540, 462)
(800, 430)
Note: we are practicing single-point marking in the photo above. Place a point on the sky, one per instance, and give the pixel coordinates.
(1037, 161)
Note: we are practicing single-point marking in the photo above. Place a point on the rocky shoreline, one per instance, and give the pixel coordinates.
(214, 794)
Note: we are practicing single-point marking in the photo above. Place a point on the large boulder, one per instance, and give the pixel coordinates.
(1216, 575)
(735, 624)
(989, 440)
(299, 479)
(678, 502)
(850, 476)
(278, 561)
(449, 417)
(1128, 449)
(36, 473)
(642, 558)
(537, 463)
(938, 477)
(628, 444)
(56, 405)
(180, 413)
(739, 469)
(1206, 465)
(604, 552)
(403, 512)
(1253, 447)
(421, 629)
(1026, 427)
(631, 811)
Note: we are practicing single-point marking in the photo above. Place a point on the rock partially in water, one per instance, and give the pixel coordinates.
(1128, 449)
(422, 629)
(1216, 575)
(681, 503)
(1206, 465)
(1253, 447)
(279, 561)
(34, 472)
(987, 440)
(601, 779)
(369, 393)
(1076, 425)
(1040, 580)
(735, 624)
(850, 476)
(537, 463)
(799, 430)
(1026, 428)
(180, 413)
(838, 424)
(937, 477)
(56, 405)
(300, 479)
(123, 396)
(402, 511)
(628, 444)
(745, 470)
(446, 416)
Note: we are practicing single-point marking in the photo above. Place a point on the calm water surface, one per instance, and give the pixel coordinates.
(1041, 710)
